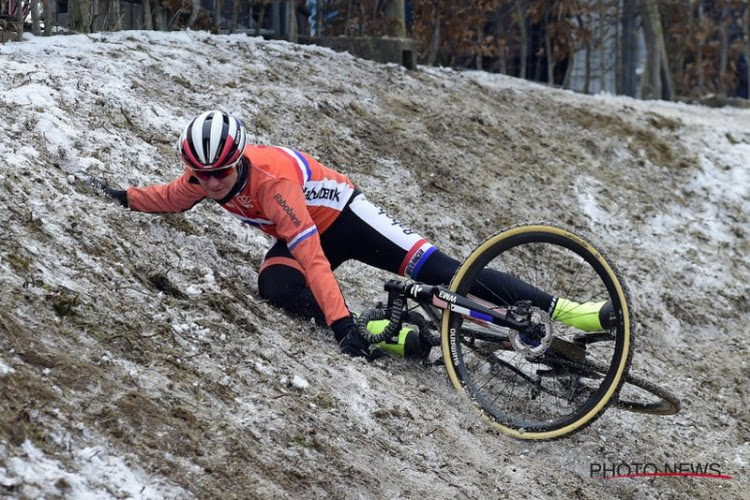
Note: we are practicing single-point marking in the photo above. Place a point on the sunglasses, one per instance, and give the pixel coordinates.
(212, 174)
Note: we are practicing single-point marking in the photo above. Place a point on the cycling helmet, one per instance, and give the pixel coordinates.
(212, 141)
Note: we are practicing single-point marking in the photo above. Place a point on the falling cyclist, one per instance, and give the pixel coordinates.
(319, 219)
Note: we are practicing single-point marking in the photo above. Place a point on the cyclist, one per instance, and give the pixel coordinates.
(319, 219)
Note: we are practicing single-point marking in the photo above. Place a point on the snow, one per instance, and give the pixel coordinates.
(97, 475)
(231, 385)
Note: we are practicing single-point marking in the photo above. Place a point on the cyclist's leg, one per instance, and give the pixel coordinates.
(364, 232)
(370, 235)
(282, 282)
(377, 239)
(494, 286)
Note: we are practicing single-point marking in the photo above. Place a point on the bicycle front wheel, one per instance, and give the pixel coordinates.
(532, 396)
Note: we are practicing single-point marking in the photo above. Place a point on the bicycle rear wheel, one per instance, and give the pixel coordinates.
(532, 396)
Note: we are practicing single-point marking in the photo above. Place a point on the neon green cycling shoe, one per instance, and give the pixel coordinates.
(406, 344)
(589, 316)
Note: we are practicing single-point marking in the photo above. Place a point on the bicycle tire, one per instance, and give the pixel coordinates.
(665, 404)
(512, 404)
(659, 401)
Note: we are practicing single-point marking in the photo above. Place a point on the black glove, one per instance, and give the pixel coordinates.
(119, 195)
(351, 342)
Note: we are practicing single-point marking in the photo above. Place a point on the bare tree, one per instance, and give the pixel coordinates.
(114, 16)
(93, 16)
(48, 17)
(194, 13)
(657, 78)
(699, 50)
(524, 42)
(35, 27)
(432, 53)
(746, 43)
(292, 28)
(235, 16)
(723, 48)
(18, 14)
(148, 23)
(218, 4)
(395, 18)
(79, 15)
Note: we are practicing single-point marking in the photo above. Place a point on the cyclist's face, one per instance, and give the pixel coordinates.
(217, 187)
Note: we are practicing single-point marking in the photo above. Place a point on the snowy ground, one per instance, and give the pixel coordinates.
(137, 361)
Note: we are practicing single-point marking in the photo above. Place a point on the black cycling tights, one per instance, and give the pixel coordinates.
(285, 286)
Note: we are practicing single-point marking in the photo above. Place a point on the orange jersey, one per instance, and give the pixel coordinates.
(286, 194)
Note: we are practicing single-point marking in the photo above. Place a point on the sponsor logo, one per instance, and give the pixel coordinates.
(245, 201)
(322, 193)
(289, 210)
(413, 262)
(453, 342)
(395, 222)
(447, 296)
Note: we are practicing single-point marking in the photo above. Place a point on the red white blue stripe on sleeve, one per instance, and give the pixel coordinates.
(302, 165)
(301, 236)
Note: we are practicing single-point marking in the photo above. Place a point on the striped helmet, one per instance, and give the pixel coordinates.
(212, 141)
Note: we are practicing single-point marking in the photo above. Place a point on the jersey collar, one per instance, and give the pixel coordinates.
(242, 178)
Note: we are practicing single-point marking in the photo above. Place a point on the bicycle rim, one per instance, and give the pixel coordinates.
(533, 398)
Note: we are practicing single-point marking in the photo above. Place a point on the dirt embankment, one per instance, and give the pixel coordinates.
(136, 343)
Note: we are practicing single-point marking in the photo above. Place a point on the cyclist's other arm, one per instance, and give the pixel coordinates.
(176, 196)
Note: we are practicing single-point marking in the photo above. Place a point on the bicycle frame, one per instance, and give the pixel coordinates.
(442, 298)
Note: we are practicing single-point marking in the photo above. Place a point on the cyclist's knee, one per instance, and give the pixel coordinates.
(280, 284)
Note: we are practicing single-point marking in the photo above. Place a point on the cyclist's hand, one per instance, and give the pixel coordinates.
(119, 195)
(351, 342)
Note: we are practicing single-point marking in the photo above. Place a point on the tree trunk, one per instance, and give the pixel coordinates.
(746, 39)
(79, 15)
(94, 16)
(618, 49)
(432, 54)
(48, 21)
(699, 56)
(292, 21)
(18, 15)
(148, 23)
(548, 50)
(348, 18)
(235, 16)
(262, 15)
(319, 19)
(629, 48)
(602, 30)
(657, 79)
(161, 23)
(723, 48)
(395, 18)
(194, 13)
(502, 45)
(115, 16)
(35, 25)
(218, 4)
(524, 38)
(569, 70)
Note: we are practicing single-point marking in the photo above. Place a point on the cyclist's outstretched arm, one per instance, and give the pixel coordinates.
(179, 195)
